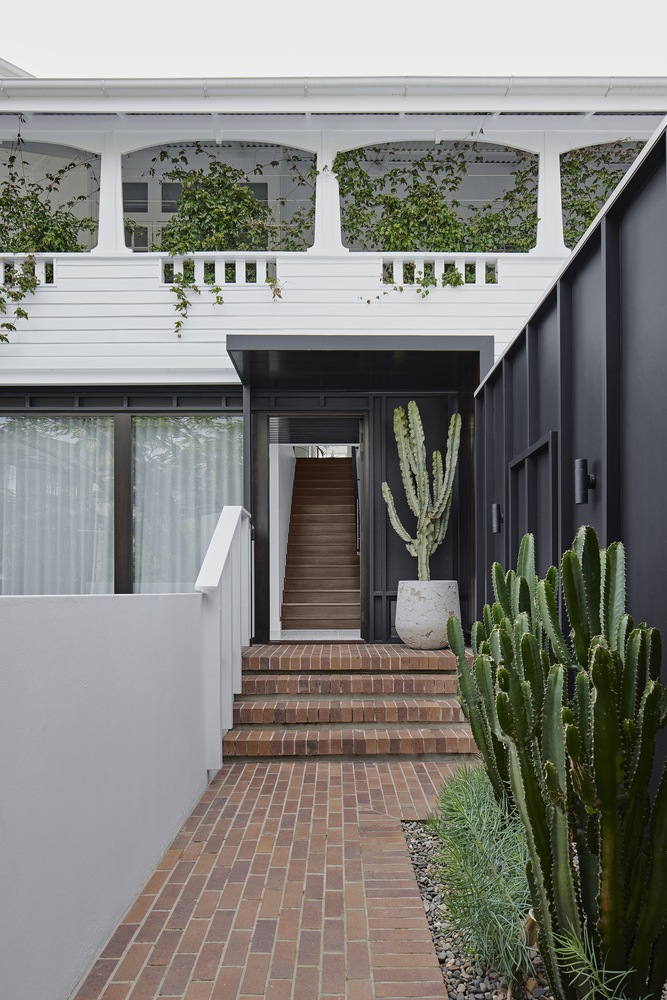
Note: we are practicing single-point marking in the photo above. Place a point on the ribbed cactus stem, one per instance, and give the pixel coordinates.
(581, 755)
(430, 503)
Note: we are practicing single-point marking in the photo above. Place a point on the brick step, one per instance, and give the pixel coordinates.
(295, 595)
(322, 683)
(382, 658)
(338, 741)
(350, 711)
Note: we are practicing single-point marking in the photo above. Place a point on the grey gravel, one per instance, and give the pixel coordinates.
(464, 979)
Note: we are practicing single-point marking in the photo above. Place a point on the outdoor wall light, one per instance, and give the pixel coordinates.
(582, 481)
(496, 518)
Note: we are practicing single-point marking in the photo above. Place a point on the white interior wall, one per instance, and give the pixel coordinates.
(101, 759)
(282, 464)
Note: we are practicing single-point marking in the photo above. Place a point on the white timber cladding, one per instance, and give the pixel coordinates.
(107, 315)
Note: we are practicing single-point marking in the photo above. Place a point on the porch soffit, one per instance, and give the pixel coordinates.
(352, 363)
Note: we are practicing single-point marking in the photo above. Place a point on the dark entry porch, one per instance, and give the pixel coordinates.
(364, 378)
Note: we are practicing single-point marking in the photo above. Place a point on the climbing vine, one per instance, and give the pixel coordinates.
(31, 223)
(588, 177)
(218, 211)
(413, 205)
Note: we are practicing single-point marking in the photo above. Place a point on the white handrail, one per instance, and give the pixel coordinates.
(225, 580)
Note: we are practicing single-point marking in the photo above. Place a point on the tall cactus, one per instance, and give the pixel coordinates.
(431, 505)
(576, 758)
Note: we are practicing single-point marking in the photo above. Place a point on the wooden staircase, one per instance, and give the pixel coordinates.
(321, 588)
(347, 701)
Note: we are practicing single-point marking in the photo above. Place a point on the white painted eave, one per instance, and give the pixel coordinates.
(337, 94)
(9, 70)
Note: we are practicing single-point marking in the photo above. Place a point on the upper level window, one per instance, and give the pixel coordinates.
(135, 197)
(171, 192)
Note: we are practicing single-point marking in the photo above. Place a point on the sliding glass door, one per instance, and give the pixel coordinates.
(185, 470)
(57, 516)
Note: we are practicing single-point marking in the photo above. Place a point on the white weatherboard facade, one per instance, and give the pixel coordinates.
(107, 317)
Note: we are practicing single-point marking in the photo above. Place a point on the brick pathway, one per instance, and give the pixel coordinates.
(290, 880)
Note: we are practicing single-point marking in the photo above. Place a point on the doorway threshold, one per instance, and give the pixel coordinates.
(319, 635)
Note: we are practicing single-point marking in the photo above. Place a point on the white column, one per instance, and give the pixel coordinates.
(111, 234)
(549, 203)
(328, 237)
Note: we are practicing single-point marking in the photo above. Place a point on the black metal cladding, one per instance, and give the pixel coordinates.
(585, 379)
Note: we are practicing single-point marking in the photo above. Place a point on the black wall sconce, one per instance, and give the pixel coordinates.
(582, 481)
(496, 518)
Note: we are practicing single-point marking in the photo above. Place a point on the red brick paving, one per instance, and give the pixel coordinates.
(290, 880)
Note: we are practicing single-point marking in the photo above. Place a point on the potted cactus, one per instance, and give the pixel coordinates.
(424, 605)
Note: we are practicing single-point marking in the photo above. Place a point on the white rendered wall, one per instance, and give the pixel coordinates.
(281, 480)
(101, 759)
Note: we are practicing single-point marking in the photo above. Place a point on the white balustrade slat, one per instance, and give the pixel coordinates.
(261, 271)
(480, 272)
(240, 271)
(199, 272)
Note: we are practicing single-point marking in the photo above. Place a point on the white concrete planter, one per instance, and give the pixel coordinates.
(422, 610)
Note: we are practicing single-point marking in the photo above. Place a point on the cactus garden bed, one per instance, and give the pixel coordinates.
(465, 978)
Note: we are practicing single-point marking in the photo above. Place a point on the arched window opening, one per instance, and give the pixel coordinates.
(207, 196)
(471, 197)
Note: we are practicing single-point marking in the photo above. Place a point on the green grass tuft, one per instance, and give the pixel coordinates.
(482, 866)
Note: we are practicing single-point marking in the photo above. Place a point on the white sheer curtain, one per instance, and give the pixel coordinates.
(56, 514)
(185, 470)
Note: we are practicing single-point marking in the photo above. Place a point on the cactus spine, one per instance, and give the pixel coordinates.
(576, 766)
(431, 505)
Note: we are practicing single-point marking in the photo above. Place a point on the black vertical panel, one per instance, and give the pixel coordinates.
(260, 516)
(247, 449)
(483, 490)
(497, 492)
(587, 374)
(518, 365)
(518, 509)
(564, 459)
(122, 497)
(548, 355)
(611, 485)
(377, 526)
(365, 513)
(463, 514)
(643, 316)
